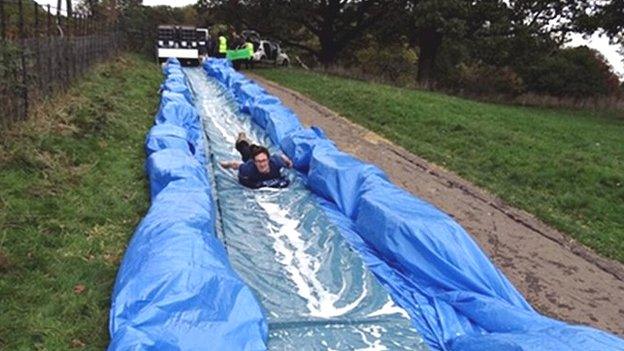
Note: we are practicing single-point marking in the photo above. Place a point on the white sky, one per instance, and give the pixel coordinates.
(600, 43)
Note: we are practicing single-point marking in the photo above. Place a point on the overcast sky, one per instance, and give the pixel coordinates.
(600, 43)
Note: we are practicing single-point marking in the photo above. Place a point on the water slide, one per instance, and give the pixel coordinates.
(340, 260)
(316, 290)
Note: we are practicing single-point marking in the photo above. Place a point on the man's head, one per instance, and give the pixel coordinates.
(260, 156)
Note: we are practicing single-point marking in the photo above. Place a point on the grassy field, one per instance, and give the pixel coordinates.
(566, 167)
(72, 189)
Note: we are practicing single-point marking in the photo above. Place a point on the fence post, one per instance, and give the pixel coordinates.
(37, 49)
(81, 41)
(72, 39)
(4, 120)
(85, 42)
(2, 20)
(23, 57)
(48, 21)
(49, 51)
(97, 32)
(100, 45)
(63, 66)
(89, 40)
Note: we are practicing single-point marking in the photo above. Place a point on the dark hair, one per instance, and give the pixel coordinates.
(259, 150)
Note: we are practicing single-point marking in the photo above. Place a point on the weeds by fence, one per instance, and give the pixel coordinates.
(42, 52)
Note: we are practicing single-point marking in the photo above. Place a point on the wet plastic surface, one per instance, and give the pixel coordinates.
(318, 293)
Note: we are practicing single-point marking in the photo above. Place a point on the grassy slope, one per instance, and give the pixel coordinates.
(565, 167)
(72, 189)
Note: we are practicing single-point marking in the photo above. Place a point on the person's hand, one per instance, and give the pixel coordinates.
(287, 161)
(230, 164)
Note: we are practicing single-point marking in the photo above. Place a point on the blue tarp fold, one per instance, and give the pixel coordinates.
(299, 145)
(168, 136)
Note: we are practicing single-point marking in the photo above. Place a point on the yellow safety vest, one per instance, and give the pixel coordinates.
(250, 48)
(222, 44)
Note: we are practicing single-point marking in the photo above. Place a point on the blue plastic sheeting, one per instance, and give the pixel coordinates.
(169, 165)
(168, 136)
(249, 93)
(455, 296)
(176, 86)
(175, 289)
(167, 96)
(299, 145)
(317, 292)
(184, 115)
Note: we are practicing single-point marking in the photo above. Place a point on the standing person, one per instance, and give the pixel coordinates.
(222, 47)
(258, 168)
(236, 40)
(235, 44)
(250, 50)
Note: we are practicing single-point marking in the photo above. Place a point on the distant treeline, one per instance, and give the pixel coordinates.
(479, 47)
(473, 46)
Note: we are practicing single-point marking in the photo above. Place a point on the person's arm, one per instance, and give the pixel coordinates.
(287, 162)
(230, 164)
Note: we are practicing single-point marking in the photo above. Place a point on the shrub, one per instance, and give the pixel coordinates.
(573, 72)
(388, 62)
(477, 78)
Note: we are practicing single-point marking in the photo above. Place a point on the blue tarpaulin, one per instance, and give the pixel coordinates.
(175, 289)
(455, 296)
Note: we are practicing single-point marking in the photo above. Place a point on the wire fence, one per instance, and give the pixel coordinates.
(42, 50)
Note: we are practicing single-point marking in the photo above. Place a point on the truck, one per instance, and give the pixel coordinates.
(186, 43)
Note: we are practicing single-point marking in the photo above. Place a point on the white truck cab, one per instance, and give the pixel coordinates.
(186, 43)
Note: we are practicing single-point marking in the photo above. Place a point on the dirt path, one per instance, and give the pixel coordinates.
(560, 277)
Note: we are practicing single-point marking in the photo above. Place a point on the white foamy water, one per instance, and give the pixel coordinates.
(302, 268)
(376, 332)
(389, 308)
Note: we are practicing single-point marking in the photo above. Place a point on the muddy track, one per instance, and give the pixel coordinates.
(560, 277)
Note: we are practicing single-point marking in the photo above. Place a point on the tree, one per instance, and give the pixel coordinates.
(608, 17)
(500, 24)
(323, 28)
(429, 23)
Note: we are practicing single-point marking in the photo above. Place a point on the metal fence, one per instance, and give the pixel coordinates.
(42, 51)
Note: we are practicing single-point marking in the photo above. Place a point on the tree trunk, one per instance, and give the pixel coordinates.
(327, 56)
(429, 41)
(329, 52)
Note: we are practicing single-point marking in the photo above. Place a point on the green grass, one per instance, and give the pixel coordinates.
(566, 167)
(72, 189)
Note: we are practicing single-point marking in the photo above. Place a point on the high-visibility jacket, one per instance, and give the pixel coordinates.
(250, 48)
(222, 44)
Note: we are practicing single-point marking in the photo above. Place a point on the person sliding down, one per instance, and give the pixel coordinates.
(258, 168)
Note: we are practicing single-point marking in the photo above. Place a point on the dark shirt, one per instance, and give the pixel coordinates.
(249, 176)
